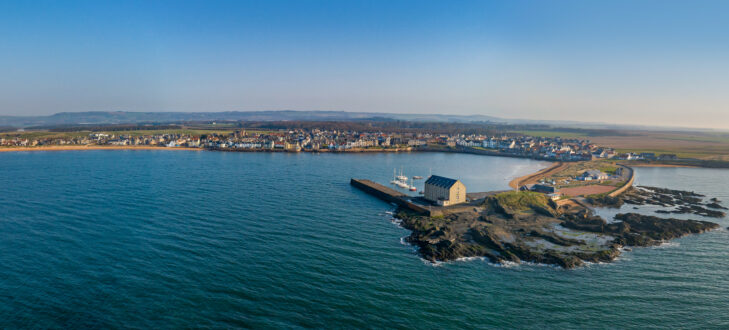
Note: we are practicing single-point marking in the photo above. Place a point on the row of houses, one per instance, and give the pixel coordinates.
(318, 139)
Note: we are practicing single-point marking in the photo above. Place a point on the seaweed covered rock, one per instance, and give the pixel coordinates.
(635, 229)
(528, 227)
(682, 202)
(663, 229)
(606, 200)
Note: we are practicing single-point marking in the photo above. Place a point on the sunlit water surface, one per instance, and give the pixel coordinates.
(165, 239)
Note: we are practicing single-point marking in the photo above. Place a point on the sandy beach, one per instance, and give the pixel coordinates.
(93, 147)
(660, 165)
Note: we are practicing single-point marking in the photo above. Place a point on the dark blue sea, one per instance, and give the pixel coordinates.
(180, 239)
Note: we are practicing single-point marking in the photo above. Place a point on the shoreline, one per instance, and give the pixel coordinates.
(534, 177)
(522, 180)
(93, 147)
(664, 165)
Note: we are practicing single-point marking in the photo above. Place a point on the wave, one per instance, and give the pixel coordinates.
(666, 245)
(503, 264)
(470, 259)
(432, 263)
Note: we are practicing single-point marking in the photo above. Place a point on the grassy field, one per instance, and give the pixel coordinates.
(515, 201)
(573, 170)
(43, 134)
(53, 135)
(700, 145)
(170, 131)
(608, 168)
(685, 145)
(553, 134)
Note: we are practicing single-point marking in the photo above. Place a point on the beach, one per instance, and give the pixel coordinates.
(93, 147)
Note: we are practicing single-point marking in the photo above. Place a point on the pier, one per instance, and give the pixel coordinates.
(390, 195)
(418, 204)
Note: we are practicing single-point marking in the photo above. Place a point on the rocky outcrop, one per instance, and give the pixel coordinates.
(678, 201)
(639, 230)
(515, 227)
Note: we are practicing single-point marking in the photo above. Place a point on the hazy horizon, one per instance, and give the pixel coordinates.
(652, 63)
(556, 123)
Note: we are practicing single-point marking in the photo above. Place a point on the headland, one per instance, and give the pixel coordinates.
(532, 226)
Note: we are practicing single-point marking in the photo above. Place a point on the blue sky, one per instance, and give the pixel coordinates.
(651, 62)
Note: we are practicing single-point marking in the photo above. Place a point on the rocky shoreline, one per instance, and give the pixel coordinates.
(682, 202)
(525, 226)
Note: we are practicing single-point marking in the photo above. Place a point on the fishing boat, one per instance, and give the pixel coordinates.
(394, 177)
(411, 187)
(402, 177)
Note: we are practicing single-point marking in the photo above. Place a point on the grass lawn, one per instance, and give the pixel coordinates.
(521, 200)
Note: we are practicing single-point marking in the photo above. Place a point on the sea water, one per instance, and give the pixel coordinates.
(170, 239)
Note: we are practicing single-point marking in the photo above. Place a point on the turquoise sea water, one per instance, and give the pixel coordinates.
(162, 239)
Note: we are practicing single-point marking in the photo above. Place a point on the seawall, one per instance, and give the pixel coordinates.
(388, 195)
(627, 184)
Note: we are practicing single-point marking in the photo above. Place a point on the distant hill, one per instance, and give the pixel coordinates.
(123, 117)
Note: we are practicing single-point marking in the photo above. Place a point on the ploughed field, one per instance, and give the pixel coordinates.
(526, 226)
(700, 145)
(587, 190)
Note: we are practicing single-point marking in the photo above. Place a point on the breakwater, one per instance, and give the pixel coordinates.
(486, 152)
(627, 184)
(390, 195)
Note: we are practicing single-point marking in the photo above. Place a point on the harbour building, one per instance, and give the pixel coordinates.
(444, 191)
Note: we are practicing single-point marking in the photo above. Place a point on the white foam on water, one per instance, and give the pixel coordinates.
(432, 263)
(666, 245)
(471, 258)
(598, 263)
(505, 264)
(529, 263)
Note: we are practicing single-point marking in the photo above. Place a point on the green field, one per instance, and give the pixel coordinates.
(700, 145)
(194, 132)
(65, 135)
(43, 135)
(552, 134)
(515, 201)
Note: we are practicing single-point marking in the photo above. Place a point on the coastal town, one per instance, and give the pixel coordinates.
(320, 140)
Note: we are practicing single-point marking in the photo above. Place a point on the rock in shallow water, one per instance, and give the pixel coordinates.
(533, 230)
